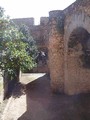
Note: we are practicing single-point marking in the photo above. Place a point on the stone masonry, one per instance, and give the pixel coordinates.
(65, 36)
(67, 63)
(40, 35)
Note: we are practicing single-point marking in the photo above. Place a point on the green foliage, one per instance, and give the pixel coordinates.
(1, 12)
(17, 47)
(31, 48)
(15, 57)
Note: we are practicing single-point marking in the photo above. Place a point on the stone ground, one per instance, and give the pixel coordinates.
(2, 103)
(35, 101)
(1, 88)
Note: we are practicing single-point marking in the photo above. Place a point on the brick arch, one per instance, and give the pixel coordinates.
(76, 76)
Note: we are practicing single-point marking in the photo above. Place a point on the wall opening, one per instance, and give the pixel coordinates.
(79, 40)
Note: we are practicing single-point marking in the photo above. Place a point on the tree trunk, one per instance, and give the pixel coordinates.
(9, 83)
(6, 82)
(17, 78)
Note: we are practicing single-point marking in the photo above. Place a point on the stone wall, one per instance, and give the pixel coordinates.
(40, 35)
(56, 51)
(27, 21)
(76, 76)
(53, 36)
(66, 73)
(38, 32)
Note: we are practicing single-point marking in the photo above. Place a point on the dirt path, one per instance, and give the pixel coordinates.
(40, 104)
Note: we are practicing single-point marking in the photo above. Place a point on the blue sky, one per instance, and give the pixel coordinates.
(33, 8)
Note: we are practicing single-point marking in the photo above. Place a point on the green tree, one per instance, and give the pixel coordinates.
(31, 48)
(17, 48)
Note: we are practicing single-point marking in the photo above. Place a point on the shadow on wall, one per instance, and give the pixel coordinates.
(79, 41)
(43, 105)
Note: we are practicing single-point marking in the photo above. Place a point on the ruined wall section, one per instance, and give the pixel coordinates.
(27, 21)
(79, 5)
(76, 76)
(67, 77)
(44, 23)
(40, 34)
(56, 50)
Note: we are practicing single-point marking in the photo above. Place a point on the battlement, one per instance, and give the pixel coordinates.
(55, 13)
(68, 71)
(30, 21)
(44, 20)
(27, 21)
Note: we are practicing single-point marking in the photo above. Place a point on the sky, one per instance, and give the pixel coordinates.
(33, 8)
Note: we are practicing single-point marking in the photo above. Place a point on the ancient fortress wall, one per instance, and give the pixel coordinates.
(39, 34)
(77, 76)
(56, 50)
(53, 35)
(66, 73)
(27, 21)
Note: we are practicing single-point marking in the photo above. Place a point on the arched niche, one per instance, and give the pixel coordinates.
(78, 62)
(79, 43)
(76, 73)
